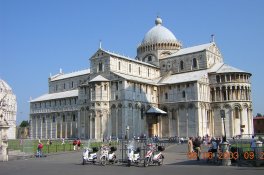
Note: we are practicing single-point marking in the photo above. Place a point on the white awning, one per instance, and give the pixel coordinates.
(154, 110)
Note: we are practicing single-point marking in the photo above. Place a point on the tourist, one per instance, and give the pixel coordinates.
(63, 142)
(39, 152)
(48, 142)
(253, 143)
(190, 145)
(74, 143)
(197, 147)
(214, 148)
(78, 144)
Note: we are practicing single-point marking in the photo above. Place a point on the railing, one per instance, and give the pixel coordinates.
(30, 146)
(248, 154)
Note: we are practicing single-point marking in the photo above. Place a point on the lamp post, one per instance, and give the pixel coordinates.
(187, 124)
(127, 132)
(222, 114)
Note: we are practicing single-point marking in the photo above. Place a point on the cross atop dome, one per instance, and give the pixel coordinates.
(158, 21)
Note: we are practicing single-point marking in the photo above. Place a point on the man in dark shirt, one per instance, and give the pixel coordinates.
(197, 147)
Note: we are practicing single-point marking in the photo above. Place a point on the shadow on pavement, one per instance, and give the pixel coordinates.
(193, 162)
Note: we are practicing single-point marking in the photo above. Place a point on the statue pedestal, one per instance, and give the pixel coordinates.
(258, 153)
(3, 141)
(226, 155)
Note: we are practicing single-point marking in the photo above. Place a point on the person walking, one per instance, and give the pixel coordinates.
(39, 151)
(63, 141)
(253, 143)
(78, 144)
(214, 149)
(197, 147)
(190, 145)
(48, 142)
(74, 144)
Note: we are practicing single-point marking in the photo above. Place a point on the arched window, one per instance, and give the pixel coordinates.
(100, 67)
(149, 58)
(63, 118)
(217, 78)
(73, 118)
(236, 113)
(148, 72)
(43, 120)
(53, 119)
(181, 65)
(119, 65)
(129, 67)
(183, 94)
(194, 63)
(166, 96)
(139, 71)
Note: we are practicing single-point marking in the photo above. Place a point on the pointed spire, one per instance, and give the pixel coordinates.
(100, 44)
(212, 38)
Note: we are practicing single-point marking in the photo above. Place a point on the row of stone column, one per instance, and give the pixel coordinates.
(225, 93)
(232, 77)
(54, 126)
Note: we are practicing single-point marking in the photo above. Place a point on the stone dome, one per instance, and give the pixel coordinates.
(158, 34)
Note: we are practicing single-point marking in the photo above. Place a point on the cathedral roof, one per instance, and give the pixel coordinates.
(69, 75)
(183, 77)
(158, 34)
(193, 49)
(226, 68)
(127, 58)
(134, 78)
(98, 78)
(59, 95)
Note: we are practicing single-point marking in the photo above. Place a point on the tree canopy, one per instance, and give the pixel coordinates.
(24, 123)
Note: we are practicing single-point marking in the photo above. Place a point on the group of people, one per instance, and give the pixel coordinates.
(194, 145)
(76, 144)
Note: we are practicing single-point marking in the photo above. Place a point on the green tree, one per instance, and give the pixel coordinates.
(24, 123)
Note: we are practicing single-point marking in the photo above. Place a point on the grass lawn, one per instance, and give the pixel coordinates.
(30, 146)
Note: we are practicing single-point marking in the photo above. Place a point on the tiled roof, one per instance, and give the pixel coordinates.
(183, 77)
(226, 68)
(69, 75)
(98, 78)
(127, 58)
(59, 95)
(193, 49)
(134, 78)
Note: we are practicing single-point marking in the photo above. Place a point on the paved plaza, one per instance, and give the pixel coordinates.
(70, 163)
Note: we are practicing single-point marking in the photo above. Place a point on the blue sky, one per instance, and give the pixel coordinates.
(38, 37)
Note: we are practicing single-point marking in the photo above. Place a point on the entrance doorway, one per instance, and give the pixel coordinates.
(151, 130)
(152, 123)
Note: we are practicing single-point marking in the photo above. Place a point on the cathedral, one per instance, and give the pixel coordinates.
(166, 90)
